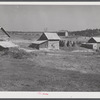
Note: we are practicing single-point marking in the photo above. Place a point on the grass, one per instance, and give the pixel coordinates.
(50, 73)
(17, 53)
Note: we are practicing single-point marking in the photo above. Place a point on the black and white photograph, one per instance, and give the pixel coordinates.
(53, 48)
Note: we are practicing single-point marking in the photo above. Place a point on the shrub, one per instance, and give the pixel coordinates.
(67, 44)
(62, 43)
(79, 43)
(16, 53)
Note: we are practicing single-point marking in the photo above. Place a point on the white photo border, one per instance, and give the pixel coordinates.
(45, 94)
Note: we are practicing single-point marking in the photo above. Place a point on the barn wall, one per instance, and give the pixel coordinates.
(98, 46)
(53, 44)
(91, 41)
(35, 46)
(43, 37)
(95, 46)
(89, 46)
(43, 45)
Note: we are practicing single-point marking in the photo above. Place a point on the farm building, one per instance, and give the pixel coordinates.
(3, 34)
(4, 43)
(47, 41)
(62, 33)
(93, 43)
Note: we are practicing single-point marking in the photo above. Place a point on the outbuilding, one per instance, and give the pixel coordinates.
(63, 33)
(93, 43)
(47, 41)
(4, 40)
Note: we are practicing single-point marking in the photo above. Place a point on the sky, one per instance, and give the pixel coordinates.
(52, 17)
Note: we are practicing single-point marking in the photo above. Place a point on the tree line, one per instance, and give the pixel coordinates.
(87, 32)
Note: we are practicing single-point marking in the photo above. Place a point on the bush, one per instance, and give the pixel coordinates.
(17, 54)
(67, 44)
(78, 43)
(62, 43)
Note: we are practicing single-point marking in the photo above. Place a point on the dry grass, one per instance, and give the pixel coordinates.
(49, 71)
(60, 71)
(17, 53)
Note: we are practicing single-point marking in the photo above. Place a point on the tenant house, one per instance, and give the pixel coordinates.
(93, 43)
(47, 41)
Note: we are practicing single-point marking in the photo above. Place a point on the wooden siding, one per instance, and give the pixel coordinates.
(43, 45)
(53, 44)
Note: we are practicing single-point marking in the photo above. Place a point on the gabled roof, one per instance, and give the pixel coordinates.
(52, 36)
(96, 39)
(49, 36)
(7, 44)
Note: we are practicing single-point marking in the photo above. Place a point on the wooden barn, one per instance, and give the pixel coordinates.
(5, 44)
(47, 41)
(93, 43)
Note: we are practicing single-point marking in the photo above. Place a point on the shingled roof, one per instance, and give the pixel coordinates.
(49, 36)
(94, 40)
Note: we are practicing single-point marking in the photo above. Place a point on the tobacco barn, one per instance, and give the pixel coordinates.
(47, 41)
(93, 43)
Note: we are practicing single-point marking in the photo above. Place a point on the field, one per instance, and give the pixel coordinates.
(68, 69)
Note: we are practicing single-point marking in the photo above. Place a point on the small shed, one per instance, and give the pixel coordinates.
(47, 41)
(93, 43)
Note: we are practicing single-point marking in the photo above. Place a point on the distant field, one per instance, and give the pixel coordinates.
(25, 35)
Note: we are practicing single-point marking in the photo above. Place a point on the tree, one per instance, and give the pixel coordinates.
(73, 44)
(67, 44)
(62, 43)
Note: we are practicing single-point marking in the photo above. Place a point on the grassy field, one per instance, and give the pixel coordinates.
(49, 71)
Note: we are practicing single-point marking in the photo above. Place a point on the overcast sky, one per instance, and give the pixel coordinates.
(55, 18)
